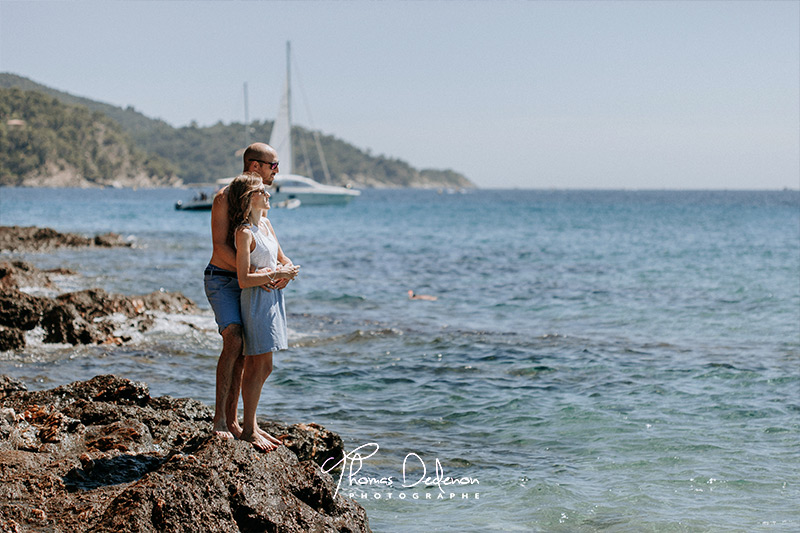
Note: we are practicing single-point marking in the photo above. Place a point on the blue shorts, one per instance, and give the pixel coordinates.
(224, 295)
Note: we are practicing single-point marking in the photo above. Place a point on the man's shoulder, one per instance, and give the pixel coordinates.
(221, 199)
(221, 194)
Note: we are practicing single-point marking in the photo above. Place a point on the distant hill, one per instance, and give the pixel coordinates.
(44, 142)
(195, 154)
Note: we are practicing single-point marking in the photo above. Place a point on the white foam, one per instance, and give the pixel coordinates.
(35, 339)
(178, 324)
(40, 291)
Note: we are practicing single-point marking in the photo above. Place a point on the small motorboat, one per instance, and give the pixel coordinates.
(292, 203)
(201, 201)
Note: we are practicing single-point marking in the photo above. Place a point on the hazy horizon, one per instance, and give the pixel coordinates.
(545, 95)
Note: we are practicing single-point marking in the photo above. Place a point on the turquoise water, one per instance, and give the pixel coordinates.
(595, 360)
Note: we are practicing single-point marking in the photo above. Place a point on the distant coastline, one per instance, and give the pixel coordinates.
(55, 139)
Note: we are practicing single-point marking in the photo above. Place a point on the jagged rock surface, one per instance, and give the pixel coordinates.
(102, 455)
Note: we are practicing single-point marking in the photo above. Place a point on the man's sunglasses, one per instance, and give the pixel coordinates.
(273, 165)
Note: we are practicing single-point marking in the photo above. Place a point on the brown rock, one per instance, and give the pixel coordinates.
(10, 385)
(64, 324)
(310, 441)
(73, 318)
(16, 274)
(21, 310)
(11, 339)
(94, 303)
(110, 240)
(102, 455)
(33, 239)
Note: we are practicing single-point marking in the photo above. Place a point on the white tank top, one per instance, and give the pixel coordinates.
(265, 254)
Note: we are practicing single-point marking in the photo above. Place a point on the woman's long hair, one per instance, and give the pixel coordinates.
(240, 191)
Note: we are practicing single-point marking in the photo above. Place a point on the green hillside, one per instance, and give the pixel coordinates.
(46, 142)
(203, 154)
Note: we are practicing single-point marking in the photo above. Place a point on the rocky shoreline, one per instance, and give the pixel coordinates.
(91, 316)
(34, 239)
(103, 455)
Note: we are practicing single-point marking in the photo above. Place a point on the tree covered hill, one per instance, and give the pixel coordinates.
(166, 154)
(44, 142)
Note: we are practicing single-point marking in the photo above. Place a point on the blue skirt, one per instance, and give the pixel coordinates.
(264, 321)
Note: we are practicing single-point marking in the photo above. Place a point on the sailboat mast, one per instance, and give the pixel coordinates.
(246, 118)
(281, 136)
(289, 87)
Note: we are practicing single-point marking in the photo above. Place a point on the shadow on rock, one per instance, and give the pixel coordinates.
(110, 471)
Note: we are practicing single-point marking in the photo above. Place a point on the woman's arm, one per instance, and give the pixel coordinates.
(244, 242)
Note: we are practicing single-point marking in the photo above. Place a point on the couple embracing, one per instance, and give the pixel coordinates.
(244, 284)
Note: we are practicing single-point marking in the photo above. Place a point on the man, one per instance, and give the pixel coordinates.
(223, 292)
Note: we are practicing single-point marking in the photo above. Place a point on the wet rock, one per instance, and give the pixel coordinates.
(65, 325)
(94, 303)
(91, 303)
(33, 239)
(11, 339)
(110, 240)
(102, 455)
(20, 310)
(16, 274)
(81, 317)
(10, 385)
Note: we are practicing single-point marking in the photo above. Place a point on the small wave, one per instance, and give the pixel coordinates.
(330, 297)
(42, 292)
(178, 324)
(38, 351)
(530, 371)
(725, 366)
(360, 335)
(353, 337)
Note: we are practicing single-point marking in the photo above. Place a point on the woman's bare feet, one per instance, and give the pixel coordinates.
(270, 438)
(221, 431)
(258, 442)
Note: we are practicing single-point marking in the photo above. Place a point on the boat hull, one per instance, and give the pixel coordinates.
(193, 206)
(309, 198)
(309, 192)
(201, 200)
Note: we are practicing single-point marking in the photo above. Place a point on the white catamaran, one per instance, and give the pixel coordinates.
(288, 186)
(288, 190)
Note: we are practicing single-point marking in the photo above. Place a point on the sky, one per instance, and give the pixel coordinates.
(559, 94)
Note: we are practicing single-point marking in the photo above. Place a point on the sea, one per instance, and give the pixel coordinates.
(594, 361)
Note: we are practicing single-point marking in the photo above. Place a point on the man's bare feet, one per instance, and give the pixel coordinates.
(258, 442)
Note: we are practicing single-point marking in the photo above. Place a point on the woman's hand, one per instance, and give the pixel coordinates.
(281, 276)
(287, 271)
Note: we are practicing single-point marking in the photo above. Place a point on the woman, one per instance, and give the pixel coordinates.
(260, 261)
